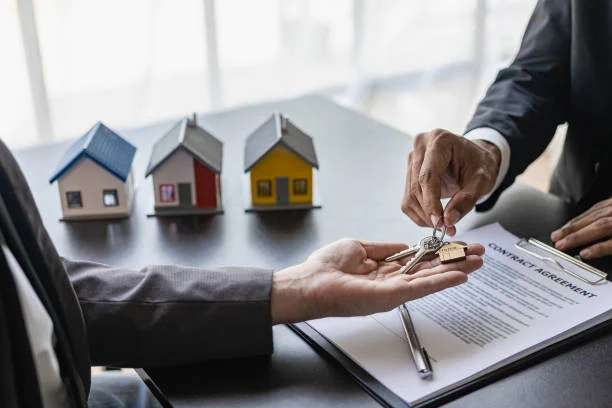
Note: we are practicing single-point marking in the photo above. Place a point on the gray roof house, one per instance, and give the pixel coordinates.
(280, 158)
(185, 165)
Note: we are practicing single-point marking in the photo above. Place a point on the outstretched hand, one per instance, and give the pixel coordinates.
(445, 165)
(351, 278)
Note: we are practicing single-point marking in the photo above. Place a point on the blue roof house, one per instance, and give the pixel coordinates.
(95, 177)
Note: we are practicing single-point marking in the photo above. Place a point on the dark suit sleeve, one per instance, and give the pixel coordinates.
(529, 99)
(164, 315)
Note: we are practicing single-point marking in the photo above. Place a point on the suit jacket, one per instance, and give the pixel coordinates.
(160, 315)
(562, 73)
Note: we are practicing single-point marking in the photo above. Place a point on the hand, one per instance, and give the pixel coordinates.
(350, 278)
(593, 227)
(443, 165)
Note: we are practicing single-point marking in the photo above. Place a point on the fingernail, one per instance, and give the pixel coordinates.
(586, 253)
(561, 245)
(452, 218)
(556, 235)
(433, 219)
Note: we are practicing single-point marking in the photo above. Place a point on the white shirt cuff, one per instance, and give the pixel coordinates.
(493, 136)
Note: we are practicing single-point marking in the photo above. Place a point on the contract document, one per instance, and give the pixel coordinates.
(511, 307)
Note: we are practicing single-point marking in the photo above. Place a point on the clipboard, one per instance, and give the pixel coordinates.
(555, 257)
(388, 398)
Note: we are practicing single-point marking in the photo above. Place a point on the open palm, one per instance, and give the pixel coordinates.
(350, 277)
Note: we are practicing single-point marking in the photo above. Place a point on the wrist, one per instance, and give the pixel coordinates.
(493, 152)
(289, 301)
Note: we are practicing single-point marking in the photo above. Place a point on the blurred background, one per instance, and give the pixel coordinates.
(412, 64)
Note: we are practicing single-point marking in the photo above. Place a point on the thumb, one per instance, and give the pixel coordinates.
(368, 265)
(461, 203)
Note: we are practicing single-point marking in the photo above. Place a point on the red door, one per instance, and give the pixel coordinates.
(205, 185)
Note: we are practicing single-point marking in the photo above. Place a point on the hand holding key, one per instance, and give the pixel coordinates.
(444, 165)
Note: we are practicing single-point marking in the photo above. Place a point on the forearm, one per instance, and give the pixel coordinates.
(173, 315)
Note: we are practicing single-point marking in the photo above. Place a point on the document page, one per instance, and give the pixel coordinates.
(514, 305)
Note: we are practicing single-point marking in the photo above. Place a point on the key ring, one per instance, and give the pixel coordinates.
(435, 229)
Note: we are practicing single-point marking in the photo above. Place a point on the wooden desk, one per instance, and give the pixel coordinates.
(361, 182)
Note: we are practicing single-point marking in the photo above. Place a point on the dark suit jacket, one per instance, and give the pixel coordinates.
(160, 315)
(562, 73)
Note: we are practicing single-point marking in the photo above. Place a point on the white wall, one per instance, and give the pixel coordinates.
(91, 179)
(176, 169)
(267, 49)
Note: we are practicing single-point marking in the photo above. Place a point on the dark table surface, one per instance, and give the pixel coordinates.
(362, 165)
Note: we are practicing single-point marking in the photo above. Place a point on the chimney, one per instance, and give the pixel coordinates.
(193, 122)
(283, 122)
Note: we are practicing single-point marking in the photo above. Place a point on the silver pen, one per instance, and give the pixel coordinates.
(419, 354)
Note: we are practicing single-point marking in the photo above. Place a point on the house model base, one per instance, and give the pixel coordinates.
(175, 212)
(288, 207)
(104, 217)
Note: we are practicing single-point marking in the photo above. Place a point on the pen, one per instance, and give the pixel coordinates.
(419, 354)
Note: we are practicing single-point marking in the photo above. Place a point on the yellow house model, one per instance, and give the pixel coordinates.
(280, 159)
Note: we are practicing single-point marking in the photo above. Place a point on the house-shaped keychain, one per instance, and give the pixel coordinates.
(95, 177)
(452, 252)
(186, 166)
(280, 161)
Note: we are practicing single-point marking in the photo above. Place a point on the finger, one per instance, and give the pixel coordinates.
(381, 250)
(419, 151)
(406, 197)
(578, 223)
(433, 260)
(597, 250)
(413, 210)
(595, 207)
(366, 266)
(467, 265)
(601, 204)
(410, 205)
(601, 228)
(435, 162)
(424, 286)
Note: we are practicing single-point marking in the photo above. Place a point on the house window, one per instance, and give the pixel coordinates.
(264, 188)
(73, 198)
(300, 186)
(110, 198)
(167, 193)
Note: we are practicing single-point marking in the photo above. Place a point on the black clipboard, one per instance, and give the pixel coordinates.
(388, 398)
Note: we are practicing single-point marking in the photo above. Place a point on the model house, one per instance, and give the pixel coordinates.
(186, 165)
(280, 158)
(95, 177)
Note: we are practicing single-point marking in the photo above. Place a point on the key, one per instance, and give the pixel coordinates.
(402, 254)
(427, 245)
